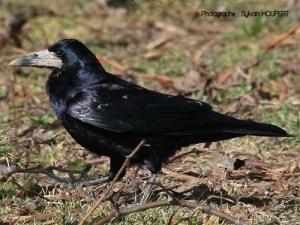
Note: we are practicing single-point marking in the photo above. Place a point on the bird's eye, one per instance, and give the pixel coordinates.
(59, 52)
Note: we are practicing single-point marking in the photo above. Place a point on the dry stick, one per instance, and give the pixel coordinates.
(185, 154)
(36, 217)
(97, 203)
(183, 203)
(44, 170)
(184, 177)
(282, 37)
(222, 76)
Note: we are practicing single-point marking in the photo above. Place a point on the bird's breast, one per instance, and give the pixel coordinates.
(58, 91)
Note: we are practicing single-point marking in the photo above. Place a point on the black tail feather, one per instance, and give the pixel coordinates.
(249, 127)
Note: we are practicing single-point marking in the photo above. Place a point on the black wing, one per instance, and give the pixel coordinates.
(121, 109)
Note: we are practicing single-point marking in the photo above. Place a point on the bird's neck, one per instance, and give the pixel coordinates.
(63, 85)
(82, 73)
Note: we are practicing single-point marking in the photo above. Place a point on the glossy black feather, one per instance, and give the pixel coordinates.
(110, 116)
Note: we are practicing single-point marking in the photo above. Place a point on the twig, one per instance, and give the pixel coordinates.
(36, 217)
(44, 170)
(185, 154)
(280, 39)
(183, 203)
(72, 181)
(254, 169)
(223, 75)
(180, 176)
(97, 203)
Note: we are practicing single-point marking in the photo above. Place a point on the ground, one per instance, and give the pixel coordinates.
(245, 67)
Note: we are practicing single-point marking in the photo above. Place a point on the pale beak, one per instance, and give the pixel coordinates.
(42, 58)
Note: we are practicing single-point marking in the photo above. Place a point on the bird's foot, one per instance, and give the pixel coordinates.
(148, 188)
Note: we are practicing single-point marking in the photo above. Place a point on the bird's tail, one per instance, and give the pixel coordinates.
(233, 126)
(221, 127)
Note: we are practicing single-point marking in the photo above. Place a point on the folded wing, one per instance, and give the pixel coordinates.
(137, 110)
(145, 112)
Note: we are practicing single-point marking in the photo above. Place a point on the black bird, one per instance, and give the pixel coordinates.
(110, 116)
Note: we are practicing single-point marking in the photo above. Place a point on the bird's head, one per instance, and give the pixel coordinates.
(64, 54)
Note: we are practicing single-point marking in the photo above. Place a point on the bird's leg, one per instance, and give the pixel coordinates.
(148, 188)
(115, 164)
(83, 181)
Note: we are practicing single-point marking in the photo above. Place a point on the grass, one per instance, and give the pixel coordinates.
(30, 134)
